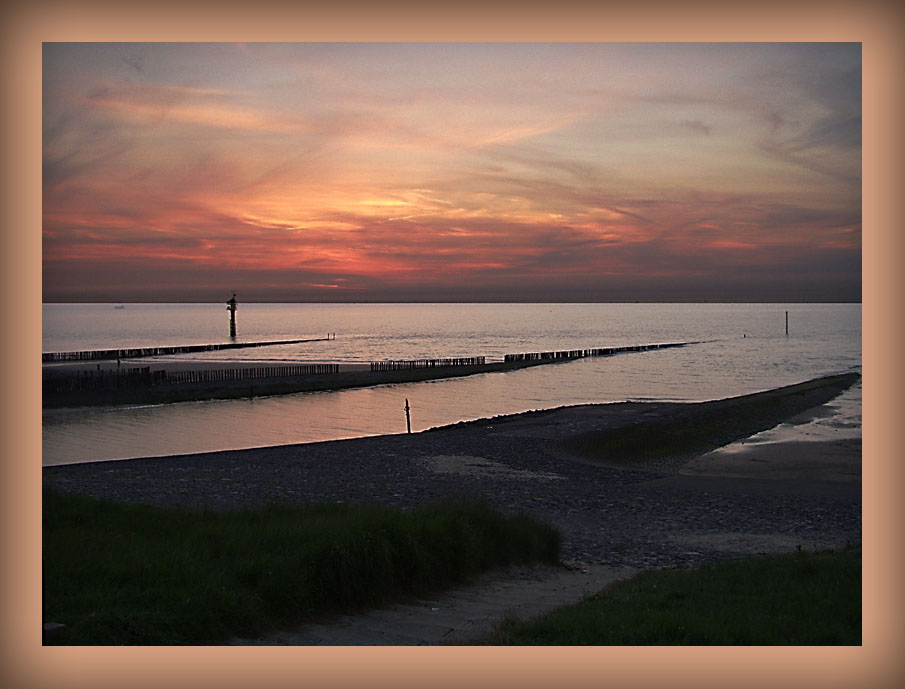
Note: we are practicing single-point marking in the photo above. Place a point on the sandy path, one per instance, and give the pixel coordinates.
(522, 593)
(457, 616)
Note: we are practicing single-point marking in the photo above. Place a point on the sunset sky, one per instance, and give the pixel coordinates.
(450, 171)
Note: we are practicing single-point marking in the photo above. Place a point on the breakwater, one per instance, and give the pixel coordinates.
(83, 381)
(408, 364)
(581, 353)
(562, 355)
(137, 352)
(143, 376)
(219, 375)
(157, 383)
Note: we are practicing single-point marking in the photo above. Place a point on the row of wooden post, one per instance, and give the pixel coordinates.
(581, 353)
(408, 364)
(136, 352)
(132, 377)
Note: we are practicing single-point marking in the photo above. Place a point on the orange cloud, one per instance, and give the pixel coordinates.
(521, 165)
(146, 105)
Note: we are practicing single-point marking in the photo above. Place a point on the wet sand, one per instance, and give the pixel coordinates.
(837, 461)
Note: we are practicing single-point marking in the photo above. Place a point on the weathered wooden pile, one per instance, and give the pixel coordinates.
(581, 353)
(136, 352)
(407, 364)
(75, 381)
(131, 377)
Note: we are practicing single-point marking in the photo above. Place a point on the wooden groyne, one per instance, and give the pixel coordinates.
(76, 386)
(581, 353)
(143, 376)
(408, 364)
(74, 381)
(81, 381)
(137, 352)
(563, 355)
(219, 375)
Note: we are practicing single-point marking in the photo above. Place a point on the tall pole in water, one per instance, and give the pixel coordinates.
(787, 323)
(231, 307)
(408, 419)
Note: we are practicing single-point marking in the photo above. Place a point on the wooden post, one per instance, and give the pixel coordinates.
(408, 418)
(787, 323)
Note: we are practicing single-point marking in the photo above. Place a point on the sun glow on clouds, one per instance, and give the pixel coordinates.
(421, 167)
(206, 115)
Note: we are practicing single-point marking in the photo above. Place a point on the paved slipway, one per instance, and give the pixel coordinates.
(615, 520)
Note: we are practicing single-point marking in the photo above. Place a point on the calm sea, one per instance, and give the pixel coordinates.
(746, 350)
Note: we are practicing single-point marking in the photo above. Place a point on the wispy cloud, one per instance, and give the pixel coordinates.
(417, 166)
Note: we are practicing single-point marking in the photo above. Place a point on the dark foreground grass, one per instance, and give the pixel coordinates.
(796, 599)
(127, 574)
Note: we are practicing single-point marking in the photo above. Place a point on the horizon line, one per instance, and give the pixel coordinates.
(481, 301)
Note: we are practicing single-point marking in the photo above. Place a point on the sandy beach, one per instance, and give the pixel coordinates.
(684, 510)
(626, 515)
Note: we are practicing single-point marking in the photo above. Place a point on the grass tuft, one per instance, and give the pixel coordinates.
(796, 599)
(128, 574)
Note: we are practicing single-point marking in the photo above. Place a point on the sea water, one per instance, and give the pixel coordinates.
(743, 348)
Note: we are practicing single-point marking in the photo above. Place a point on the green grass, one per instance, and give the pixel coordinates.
(796, 599)
(125, 574)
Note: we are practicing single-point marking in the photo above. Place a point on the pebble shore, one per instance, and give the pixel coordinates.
(627, 516)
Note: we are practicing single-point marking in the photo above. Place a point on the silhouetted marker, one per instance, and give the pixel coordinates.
(231, 307)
